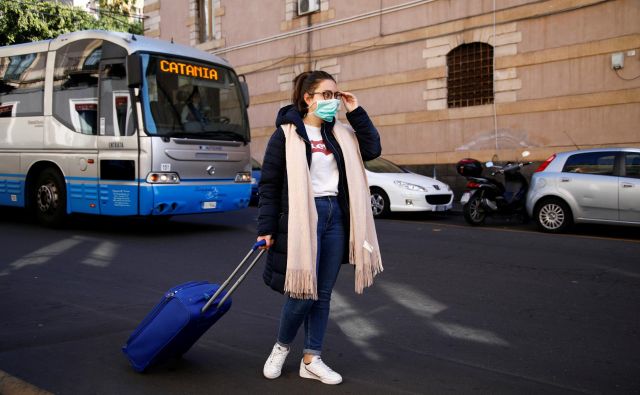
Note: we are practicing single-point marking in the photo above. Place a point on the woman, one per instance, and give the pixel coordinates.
(315, 213)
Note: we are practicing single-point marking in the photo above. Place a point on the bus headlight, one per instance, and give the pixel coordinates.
(163, 178)
(243, 177)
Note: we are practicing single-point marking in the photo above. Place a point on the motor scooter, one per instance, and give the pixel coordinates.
(486, 196)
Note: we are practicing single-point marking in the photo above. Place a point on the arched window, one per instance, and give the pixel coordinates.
(470, 75)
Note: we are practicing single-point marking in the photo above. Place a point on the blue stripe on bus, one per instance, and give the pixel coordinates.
(142, 180)
(81, 178)
(11, 190)
(13, 175)
(193, 199)
(88, 196)
(168, 199)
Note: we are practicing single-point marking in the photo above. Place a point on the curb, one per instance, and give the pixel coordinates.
(10, 385)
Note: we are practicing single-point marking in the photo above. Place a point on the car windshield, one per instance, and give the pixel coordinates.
(189, 99)
(380, 165)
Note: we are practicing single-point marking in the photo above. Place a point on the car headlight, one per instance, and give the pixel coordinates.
(409, 186)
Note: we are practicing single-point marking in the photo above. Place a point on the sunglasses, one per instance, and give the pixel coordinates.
(328, 95)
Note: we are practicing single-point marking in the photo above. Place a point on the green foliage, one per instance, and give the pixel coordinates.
(115, 15)
(26, 20)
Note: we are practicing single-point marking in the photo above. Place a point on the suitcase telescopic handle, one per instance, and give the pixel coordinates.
(240, 279)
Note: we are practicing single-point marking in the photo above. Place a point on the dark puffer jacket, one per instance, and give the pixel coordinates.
(274, 195)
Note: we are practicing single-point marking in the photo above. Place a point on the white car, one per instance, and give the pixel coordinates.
(396, 189)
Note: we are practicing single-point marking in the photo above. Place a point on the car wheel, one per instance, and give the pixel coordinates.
(473, 211)
(50, 198)
(379, 203)
(553, 216)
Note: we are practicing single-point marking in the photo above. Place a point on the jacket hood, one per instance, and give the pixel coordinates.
(289, 114)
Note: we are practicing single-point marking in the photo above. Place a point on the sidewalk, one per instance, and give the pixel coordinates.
(10, 385)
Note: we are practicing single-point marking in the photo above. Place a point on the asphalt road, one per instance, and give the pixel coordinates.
(498, 309)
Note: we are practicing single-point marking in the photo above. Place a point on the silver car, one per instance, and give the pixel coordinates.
(597, 186)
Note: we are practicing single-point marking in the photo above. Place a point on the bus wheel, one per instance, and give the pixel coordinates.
(50, 198)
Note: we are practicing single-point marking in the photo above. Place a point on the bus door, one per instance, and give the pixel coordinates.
(117, 142)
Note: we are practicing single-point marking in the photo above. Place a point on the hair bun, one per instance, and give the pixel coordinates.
(301, 77)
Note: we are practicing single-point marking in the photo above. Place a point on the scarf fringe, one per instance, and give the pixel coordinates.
(300, 284)
(371, 267)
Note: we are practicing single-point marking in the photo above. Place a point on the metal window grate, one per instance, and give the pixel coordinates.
(470, 75)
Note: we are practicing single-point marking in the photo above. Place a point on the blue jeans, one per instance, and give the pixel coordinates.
(315, 313)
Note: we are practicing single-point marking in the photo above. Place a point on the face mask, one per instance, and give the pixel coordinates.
(327, 109)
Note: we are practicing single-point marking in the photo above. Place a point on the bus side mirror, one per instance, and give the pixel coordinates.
(134, 71)
(245, 90)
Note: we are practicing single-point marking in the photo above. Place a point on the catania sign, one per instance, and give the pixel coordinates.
(188, 70)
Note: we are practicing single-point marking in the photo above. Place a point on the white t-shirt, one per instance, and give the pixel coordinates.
(324, 168)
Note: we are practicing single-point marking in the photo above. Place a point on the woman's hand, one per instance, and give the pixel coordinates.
(267, 239)
(350, 101)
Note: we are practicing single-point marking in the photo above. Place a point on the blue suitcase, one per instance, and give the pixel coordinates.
(181, 317)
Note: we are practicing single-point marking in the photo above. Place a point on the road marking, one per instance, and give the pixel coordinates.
(358, 329)
(616, 270)
(412, 299)
(467, 333)
(102, 255)
(425, 306)
(43, 255)
(10, 385)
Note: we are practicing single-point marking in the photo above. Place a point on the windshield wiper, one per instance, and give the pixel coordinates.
(175, 114)
(228, 136)
(180, 134)
(235, 136)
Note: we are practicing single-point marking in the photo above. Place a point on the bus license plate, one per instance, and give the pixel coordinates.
(209, 205)
(465, 198)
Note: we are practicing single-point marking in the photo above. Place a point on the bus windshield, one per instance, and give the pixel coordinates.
(190, 99)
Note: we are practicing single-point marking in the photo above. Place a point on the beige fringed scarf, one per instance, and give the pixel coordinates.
(364, 253)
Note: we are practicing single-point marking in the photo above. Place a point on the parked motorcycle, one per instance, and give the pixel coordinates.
(486, 196)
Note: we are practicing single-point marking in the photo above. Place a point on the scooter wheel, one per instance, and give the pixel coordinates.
(474, 212)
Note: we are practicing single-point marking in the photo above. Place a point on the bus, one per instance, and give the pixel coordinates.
(116, 124)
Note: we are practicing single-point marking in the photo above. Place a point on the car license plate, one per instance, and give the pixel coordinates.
(209, 205)
(465, 197)
(441, 207)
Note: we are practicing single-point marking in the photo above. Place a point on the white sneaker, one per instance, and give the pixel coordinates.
(273, 366)
(317, 370)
